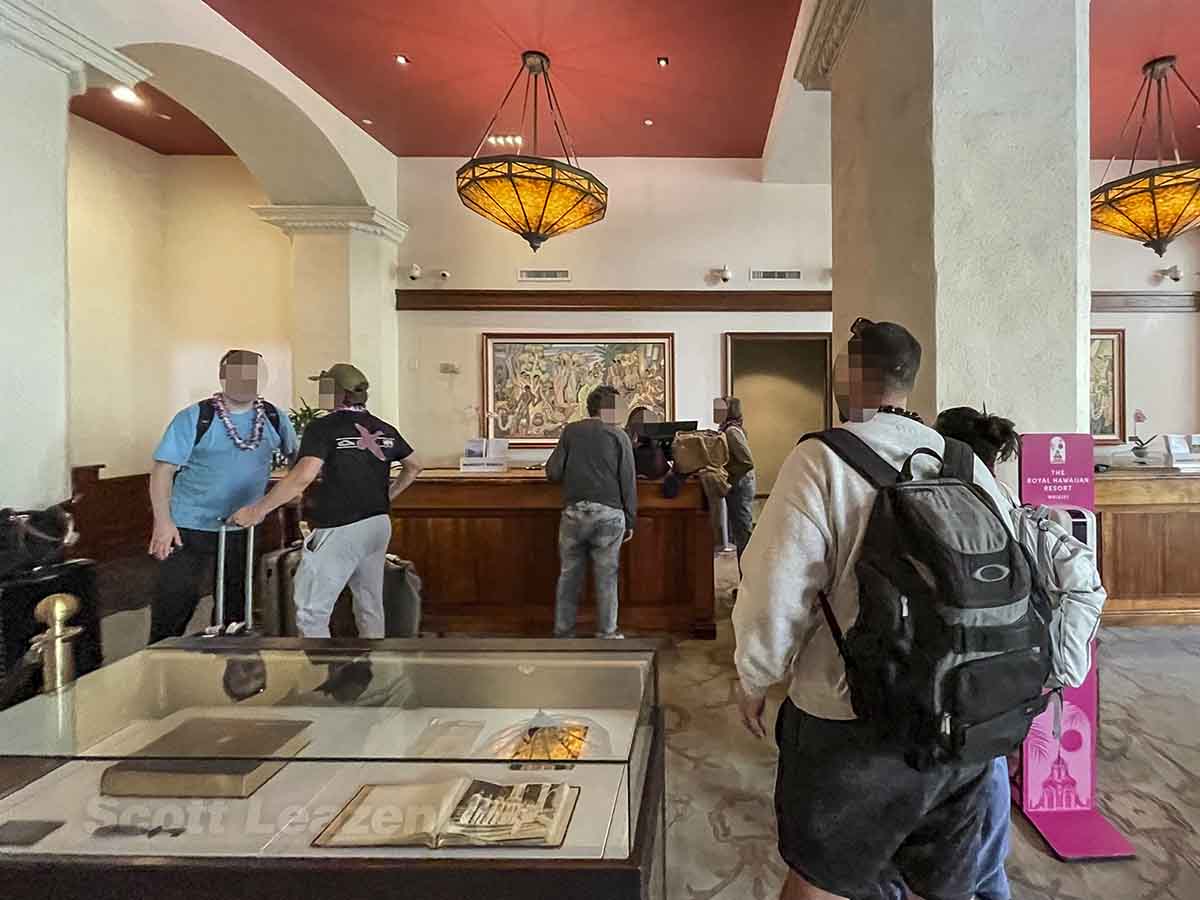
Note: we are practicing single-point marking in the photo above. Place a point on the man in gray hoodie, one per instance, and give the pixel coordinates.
(594, 463)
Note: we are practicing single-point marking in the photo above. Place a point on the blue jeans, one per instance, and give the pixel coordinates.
(993, 879)
(739, 503)
(588, 531)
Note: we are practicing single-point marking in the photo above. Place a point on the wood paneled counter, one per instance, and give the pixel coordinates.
(486, 548)
(1149, 521)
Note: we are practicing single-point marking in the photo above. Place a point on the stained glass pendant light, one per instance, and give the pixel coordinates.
(534, 196)
(1156, 205)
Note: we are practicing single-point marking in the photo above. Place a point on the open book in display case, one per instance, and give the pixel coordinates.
(502, 768)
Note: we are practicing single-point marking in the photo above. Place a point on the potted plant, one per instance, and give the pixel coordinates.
(1141, 446)
(303, 416)
(300, 419)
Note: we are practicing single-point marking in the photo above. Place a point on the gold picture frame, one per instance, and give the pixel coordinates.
(534, 384)
(1107, 394)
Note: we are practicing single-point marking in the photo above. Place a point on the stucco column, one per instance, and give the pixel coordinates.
(960, 165)
(44, 63)
(343, 305)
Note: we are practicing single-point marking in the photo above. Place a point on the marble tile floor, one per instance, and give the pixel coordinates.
(721, 829)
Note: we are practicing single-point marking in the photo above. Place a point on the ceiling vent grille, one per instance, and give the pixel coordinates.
(541, 276)
(776, 274)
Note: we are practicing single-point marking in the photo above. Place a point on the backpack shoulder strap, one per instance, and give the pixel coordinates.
(958, 461)
(272, 416)
(855, 453)
(207, 413)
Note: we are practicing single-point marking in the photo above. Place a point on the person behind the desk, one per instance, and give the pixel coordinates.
(214, 457)
(594, 463)
(649, 460)
(353, 451)
(743, 485)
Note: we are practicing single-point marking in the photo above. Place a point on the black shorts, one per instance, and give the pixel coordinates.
(853, 814)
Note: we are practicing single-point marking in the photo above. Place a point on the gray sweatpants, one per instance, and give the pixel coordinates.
(332, 558)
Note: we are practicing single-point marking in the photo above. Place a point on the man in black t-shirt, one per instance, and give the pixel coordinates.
(353, 451)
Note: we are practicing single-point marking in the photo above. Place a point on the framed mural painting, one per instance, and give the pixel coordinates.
(1107, 357)
(534, 384)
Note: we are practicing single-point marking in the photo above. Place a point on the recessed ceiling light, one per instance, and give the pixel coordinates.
(164, 116)
(402, 59)
(126, 95)
(647, 122)
(368, 121)
(663, 62)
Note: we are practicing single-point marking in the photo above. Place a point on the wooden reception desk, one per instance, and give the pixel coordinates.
(1149, 522)
(486, 548)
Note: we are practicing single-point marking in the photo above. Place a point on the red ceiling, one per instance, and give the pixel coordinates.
(182, 133)
(1125, 34)
(715, 99)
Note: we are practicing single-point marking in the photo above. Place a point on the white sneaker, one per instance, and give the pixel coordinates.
(615, 636)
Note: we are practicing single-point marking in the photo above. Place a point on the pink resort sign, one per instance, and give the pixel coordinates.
(1056, 789)
(1056, 470)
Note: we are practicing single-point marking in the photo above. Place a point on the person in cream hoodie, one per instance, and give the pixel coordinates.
(852, 813)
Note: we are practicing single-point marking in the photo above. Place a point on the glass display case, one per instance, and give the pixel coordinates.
(435, 757)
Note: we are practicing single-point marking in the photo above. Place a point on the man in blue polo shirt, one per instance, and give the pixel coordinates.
(214, 458)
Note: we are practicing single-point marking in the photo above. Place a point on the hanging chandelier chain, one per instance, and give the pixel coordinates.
(1137, 142)
(503, 102)
(1171, 119)
(535, 77)
(1158, 133)
(1125, 127)
(1183, 81)
(564, 134)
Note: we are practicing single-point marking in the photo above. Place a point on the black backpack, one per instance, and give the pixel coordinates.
(208, 412)
(951, 648)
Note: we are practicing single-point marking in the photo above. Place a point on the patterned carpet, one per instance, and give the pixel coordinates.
(721, 829)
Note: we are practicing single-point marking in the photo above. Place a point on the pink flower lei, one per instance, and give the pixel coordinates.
(256, 430)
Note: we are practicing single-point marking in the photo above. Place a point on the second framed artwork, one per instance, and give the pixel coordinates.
(1107, 360)
(534, 384)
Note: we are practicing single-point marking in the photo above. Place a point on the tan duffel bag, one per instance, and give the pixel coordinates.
(696, 450)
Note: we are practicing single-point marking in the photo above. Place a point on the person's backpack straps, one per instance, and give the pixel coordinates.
(958, 461)
(878, 472)
(855, 453)
(273, 417)
(208, 412)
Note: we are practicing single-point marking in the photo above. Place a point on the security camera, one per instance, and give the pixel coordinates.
(414, 272)
(444, 275)
(725, 274)
(1174, 274)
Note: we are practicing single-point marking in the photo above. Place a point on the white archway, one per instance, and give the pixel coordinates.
(287, 152)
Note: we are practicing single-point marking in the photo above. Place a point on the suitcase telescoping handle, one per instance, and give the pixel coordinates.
(219, 587)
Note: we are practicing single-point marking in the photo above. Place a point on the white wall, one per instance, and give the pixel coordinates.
(669, 222)
(168, 269)
(33, 300)
(1162, 369)
(439, 412)
(228, 277)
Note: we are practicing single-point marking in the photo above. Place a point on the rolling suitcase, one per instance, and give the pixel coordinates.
(401, 598)
(273, 608)
(401, 603)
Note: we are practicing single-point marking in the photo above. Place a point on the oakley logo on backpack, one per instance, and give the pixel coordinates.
(992, 573)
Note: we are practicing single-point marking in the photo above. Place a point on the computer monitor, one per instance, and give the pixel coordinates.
(665, 431)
